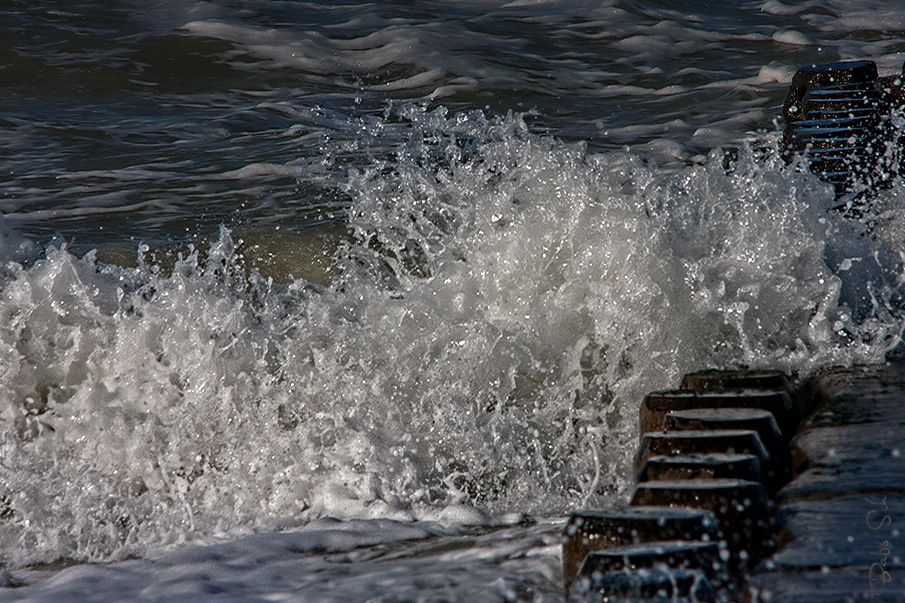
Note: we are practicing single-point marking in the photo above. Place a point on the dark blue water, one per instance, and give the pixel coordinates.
(147, 120)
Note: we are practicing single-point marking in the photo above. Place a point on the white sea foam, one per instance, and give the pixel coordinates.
(777, 8)
(504, 305)
(790, 36)
(326, 562)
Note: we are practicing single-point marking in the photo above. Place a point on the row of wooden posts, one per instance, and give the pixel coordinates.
(711, 454)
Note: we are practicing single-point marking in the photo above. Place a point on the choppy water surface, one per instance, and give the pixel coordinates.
(270, 262)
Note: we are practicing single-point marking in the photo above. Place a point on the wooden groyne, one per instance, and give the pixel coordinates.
(751, 488)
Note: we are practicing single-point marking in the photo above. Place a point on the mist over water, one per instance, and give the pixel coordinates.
(440, 304)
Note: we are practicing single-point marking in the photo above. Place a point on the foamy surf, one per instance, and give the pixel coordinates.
(481, 340)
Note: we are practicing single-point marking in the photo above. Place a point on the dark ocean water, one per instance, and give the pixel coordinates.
(269, 262)
(159, 121)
